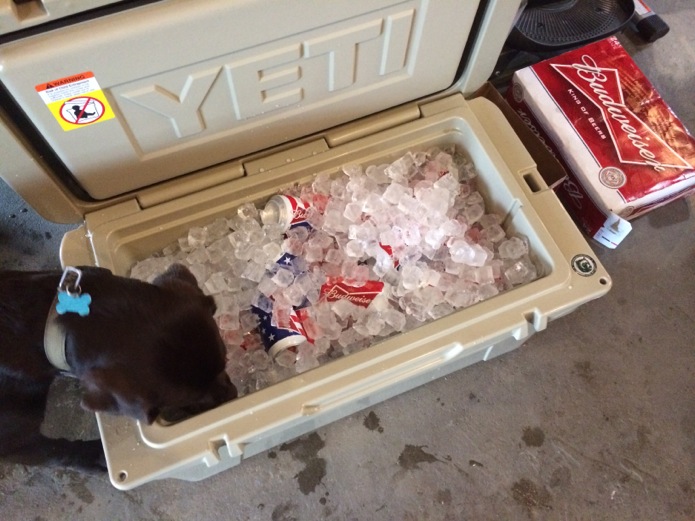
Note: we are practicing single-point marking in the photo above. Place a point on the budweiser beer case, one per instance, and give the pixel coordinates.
(624, 150)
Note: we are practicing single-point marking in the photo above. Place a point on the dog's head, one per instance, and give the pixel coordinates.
(148, 348)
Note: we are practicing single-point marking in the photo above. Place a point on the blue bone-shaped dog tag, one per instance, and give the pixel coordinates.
(73, 304)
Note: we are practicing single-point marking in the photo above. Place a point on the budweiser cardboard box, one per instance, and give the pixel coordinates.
(624, 150)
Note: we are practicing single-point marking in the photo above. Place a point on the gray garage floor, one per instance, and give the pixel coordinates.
(592, 419)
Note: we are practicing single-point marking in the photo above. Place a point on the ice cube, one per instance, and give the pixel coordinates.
(395, 192)
(520, 271)
(411, 235)
(395, 319)
(228, 320)
(267, 286)
(184, 246)
(272, 252)
(353, 212)
(449, 183)
(338, 188)
(148, 269)
(460, 297)
(314, 217)
(365, 231)
(283, 278)
(253, 272)
(322, 183)
(493, 233)
(473, 213)
(219, 250)
(197, 236)
(200, 272)
(334, 221)
(441, 310)
(374, 324)
(377, 174)
(313, 252)
(512, 248)
(354, 249)
(295, 294)
(286, 358)
(374, 204)
(216, 283)
(401, 170)
(349, 337)
(307, 357)
(481, 275)
(248, 211)
(216, 230)
(334, 256)
(197, 256)
(435, 237)
(344, 309)
(352, 170)
(411, 276)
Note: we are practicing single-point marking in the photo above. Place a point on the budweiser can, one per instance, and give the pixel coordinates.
(282, 336)
(286, 210)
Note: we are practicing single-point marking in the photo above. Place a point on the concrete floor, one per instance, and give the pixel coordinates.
(593, 418)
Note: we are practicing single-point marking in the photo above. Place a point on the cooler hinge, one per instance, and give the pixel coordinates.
(110, 213)
(372, 124)
(452, 102)
(334, 137)
(284, 157)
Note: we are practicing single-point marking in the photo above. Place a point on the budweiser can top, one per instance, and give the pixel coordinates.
(286, 210)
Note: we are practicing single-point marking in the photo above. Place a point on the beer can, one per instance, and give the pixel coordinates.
(286, 210)
(279, 337)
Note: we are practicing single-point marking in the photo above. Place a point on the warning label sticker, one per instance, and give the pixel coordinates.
(76, 101)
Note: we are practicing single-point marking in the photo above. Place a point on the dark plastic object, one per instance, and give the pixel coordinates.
(651, 28)
(547, 25)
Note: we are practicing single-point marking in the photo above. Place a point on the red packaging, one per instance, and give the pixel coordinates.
(624, 150)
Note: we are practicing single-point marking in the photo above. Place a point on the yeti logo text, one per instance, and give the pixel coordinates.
(254, 82)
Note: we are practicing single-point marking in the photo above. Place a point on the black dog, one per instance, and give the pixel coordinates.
(142, 349)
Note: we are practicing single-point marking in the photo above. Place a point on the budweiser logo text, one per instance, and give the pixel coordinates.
(602, 87)
(360, 296)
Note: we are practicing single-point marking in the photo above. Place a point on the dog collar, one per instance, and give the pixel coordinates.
(54, 340)
(69, 299)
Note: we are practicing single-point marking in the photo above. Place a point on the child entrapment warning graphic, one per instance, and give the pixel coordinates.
(76, 101)
(82, 111)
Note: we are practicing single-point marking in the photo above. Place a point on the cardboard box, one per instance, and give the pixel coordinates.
(625, 152)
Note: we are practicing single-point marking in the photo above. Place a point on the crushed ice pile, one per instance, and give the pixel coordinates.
(381, 251)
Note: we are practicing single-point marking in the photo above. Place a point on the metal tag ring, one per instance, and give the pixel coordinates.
(71, 287)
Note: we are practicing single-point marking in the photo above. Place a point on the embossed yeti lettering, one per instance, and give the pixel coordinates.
(269, 79)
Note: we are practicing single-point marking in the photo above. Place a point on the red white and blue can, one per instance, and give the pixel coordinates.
(286, 210)
(277, 338)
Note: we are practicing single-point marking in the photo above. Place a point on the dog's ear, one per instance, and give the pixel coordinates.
(174, 275)
(178, 278)
(108, 391)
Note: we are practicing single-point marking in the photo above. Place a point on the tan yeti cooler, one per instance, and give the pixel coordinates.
(142, 122)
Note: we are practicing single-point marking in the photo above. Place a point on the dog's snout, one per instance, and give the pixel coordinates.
(223, 390)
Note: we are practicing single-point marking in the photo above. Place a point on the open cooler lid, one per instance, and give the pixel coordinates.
(146, 95)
